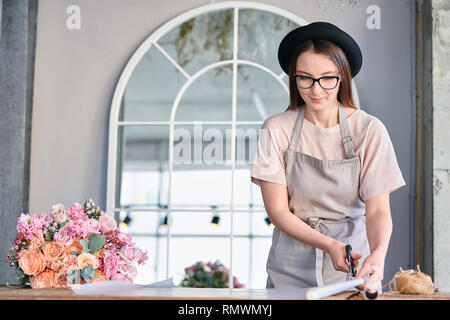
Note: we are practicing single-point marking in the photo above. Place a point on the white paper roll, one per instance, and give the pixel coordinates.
(326, 291)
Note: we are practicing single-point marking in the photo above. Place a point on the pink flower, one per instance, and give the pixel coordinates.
(36, 240)
(46, 219)
(110, 263)
(59, 213)
(236, 283)
(143, 258)
(89, 226)
(28, 225)
(76, 212)
(69, 263)
(130, 253)
(107, 223)
(121, 277)
(124, 239)
(65, 235)
(127, 269)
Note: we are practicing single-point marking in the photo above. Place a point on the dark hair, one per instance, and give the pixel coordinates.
(336, 54)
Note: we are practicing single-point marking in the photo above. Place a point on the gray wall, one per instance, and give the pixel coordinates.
(76, 71)
(17, 43)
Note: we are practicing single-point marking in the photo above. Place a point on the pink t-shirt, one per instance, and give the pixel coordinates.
(380, 172)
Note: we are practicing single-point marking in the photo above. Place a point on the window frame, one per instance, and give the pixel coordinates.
(152, 41)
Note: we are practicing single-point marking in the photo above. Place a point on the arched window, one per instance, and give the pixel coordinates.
(183, 129)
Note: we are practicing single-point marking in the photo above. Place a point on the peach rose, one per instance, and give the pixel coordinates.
(45, 279)
(69, 263)
(60, 280)
(37, 240)
(100, 277)
(86, 259)
(56, 264)
(75, 246)
(52, 251)
(32, 262)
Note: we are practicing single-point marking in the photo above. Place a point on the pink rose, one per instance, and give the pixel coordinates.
(129, 253)
(107, 222)
(59, 213)
(121, 277)
(127, 269)
(124, 239)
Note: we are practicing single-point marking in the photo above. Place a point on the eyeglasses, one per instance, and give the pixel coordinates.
(327, 82)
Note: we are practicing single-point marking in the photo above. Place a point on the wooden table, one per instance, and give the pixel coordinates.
(197, 294)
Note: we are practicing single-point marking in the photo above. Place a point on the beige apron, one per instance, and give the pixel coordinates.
(325, 195)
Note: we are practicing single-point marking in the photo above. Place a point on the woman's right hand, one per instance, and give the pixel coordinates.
(338, 255)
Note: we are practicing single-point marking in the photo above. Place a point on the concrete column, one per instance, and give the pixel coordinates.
(441, 142)
(17, 43)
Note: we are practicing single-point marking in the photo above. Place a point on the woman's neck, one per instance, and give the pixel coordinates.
(325, 118)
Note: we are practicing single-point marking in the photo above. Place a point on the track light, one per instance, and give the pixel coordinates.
(125, 222)
(215, 220)
(164, 223)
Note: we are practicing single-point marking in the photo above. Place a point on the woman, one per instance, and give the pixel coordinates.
(325, 168)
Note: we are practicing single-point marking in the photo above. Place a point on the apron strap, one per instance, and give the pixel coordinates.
(295, 137)
(345, 132)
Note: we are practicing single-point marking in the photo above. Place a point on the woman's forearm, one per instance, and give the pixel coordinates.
(299, 230)
(379, 230)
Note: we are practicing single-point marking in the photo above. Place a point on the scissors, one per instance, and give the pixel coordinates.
(348, 249)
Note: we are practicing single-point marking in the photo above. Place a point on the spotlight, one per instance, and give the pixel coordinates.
(267, 220)
(125, 222)
(164, 223)
(215, 220)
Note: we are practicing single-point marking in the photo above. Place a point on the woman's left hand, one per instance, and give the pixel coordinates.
(373, 265)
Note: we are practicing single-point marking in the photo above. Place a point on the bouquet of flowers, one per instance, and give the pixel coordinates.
(209, 275)
(80, 245)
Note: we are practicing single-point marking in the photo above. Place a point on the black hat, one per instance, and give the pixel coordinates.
(320, 31)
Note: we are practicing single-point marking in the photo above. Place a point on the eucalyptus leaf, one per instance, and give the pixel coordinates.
(84, 244)
(75, 253)
(88, 272)
(73, 276)
(96, 242)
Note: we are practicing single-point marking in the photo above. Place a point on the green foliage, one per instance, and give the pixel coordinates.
(85, 245)
(22, 277)
(96, 242)
(73, 276)
(88, 273)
